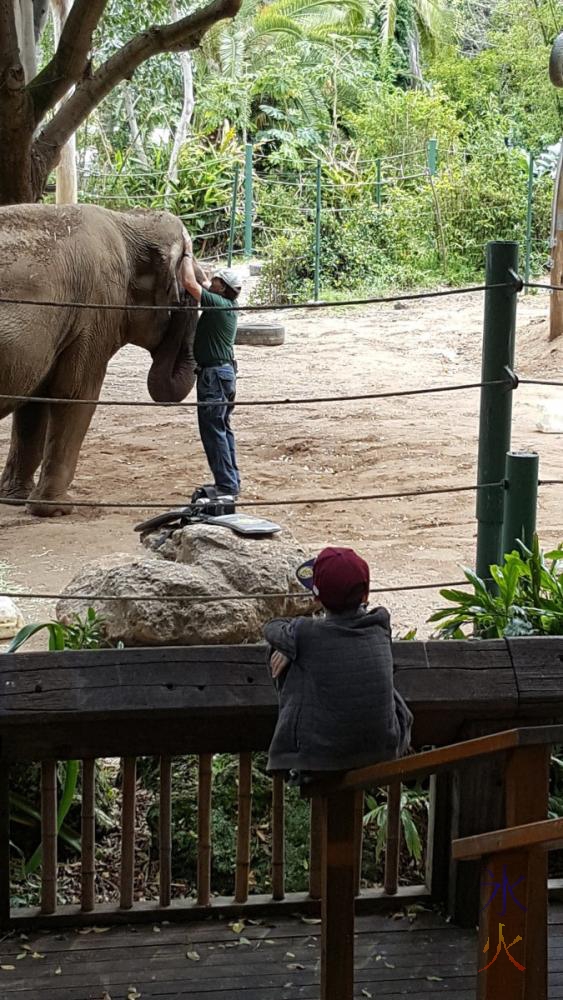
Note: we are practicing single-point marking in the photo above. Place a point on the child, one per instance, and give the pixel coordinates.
(334, 676)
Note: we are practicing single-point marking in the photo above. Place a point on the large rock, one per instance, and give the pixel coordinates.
(11, 618)
(203, 563)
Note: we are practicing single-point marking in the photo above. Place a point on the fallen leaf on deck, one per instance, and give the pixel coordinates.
(388, 964)
(289, 954)
(27, 947)
(434, 979)
(7, 968)
(133, 993)
(310, 920)
(295, 965)
(365, 993)
(85, 930)
(36, 954)
(243, 940)
(193, 956)
(269, 941)
(22, 954)
(156, 929)
(101, 930)
(58, 971)
(237, 926)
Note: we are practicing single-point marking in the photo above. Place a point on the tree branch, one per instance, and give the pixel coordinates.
(181, 36)
(71, 58)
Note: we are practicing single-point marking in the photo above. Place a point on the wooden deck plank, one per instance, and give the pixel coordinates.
(394, 958)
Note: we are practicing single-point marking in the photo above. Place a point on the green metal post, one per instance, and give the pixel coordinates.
(529, 218)
(233, 221)
(248, 200)
(496, 400)
(432, 155)
(520, 500)
(378, 182)
(317, 281)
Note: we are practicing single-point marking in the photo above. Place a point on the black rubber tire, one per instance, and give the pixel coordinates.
(260, 335)
(556, 62)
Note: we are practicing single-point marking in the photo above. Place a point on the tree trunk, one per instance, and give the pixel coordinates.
(25, 27)
(66, 173)
(556, 298)
(136, 141)
(188, 104)
(16, 114)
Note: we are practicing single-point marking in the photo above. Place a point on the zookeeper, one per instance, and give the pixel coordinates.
(216, 367)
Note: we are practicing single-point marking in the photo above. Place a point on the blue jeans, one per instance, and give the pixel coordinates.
(218, 385)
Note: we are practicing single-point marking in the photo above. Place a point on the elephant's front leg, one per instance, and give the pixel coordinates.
(29, 424)
(66, 427)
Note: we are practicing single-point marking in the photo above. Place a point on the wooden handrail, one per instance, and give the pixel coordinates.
(431, 761)
(547, 834)
(526, 779)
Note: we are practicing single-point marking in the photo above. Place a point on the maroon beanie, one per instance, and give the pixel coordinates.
(340, 578)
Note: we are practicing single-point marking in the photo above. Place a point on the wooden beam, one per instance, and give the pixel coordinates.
(547, 834)
(337, 932)
(431, 761)
(4, 844)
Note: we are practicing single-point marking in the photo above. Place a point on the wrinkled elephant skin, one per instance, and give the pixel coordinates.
(82, 254)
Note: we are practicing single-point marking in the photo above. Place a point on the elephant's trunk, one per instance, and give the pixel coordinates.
(172, 373)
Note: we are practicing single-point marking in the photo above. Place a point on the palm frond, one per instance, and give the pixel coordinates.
(388, 14)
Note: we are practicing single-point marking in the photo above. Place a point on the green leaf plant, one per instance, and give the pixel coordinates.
(527, 598)
(73, 633)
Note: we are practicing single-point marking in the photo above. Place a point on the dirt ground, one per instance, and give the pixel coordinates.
(331, 449)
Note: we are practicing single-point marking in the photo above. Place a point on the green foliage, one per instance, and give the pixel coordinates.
(528, 598)
(414, 801)
(224, 819)
(74, 633)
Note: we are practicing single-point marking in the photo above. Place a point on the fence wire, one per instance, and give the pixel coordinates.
(266, 307)
(302, 401)
(208, 599)
(291, 502)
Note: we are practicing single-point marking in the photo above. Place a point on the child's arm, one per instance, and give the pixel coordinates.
(280, 633)
(278, 663)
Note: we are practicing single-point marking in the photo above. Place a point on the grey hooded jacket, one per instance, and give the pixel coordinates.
(338, 708)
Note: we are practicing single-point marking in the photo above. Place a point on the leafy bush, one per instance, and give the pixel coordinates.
(25, 819)
(224, 819)
(528, 601)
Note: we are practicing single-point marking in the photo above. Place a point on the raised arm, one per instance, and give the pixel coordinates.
(192, 276)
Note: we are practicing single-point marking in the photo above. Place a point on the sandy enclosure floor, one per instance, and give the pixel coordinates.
(330, 449)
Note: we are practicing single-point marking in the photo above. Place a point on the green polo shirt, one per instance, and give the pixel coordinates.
(215, 332)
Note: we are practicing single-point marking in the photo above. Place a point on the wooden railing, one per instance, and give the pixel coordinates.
(90, 909)
(525, 757)
(175, 701)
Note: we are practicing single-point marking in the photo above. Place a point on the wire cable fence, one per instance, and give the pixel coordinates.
(290, 502)
(269, 200)
(266, 307)
(512, 381)
(212, 599)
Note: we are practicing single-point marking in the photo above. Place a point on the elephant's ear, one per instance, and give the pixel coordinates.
(155, 273)
(556, 62)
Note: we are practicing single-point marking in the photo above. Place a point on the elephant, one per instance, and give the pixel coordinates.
(82, 254)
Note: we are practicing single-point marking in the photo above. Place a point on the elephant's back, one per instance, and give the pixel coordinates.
(34, 233)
